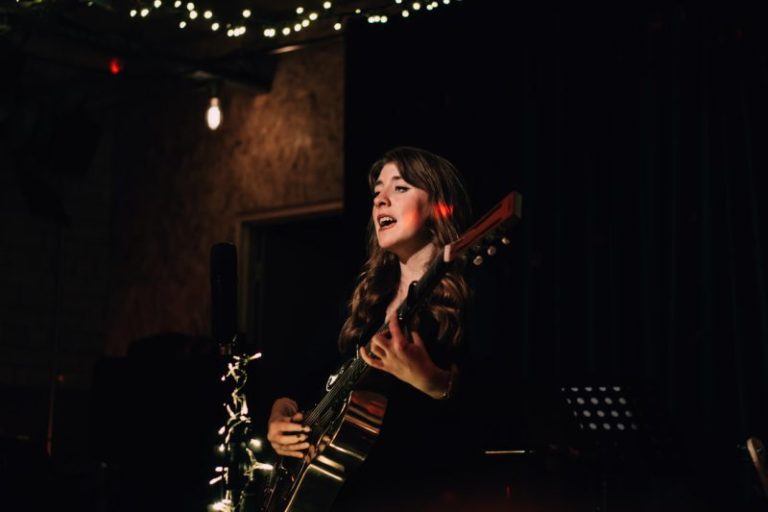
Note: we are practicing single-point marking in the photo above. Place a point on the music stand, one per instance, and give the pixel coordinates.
(604, 413)
(607, 420)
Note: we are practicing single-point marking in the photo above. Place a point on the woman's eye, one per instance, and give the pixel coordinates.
(375, 193)
(401, 189)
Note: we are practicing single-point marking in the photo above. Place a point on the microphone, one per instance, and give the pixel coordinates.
(224, 294)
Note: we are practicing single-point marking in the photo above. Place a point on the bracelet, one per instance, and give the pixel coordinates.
(451, 380)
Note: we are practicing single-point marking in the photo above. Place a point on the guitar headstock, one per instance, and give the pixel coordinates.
(483, 237)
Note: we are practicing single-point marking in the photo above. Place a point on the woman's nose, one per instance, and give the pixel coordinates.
(381, 199)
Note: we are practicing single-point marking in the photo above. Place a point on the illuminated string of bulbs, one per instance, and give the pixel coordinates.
(303, 20)
(237, 428)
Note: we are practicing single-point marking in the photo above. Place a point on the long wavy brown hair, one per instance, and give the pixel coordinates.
(379, 280)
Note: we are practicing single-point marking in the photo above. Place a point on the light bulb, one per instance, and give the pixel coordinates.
(213, 115)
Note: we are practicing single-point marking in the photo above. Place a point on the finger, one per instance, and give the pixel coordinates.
(286, 425)
(399, 340)
(279, 428)
(382, 338)
(290, 439)
(376, 363)
(378, 350)
(394, 327)
(299, 417)
(285, 453)
(294, 447)
(417, 339)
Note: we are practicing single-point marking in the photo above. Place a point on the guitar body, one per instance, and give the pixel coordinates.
(338, 448)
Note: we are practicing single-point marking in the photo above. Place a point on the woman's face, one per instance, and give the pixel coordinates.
(400, 213)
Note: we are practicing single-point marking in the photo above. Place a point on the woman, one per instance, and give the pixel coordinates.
(419, 205)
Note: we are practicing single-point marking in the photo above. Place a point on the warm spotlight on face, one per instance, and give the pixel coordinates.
(443, 210)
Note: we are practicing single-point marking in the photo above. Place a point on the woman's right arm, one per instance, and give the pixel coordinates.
(286, 435)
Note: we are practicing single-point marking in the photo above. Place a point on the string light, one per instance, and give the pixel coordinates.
(304, 18)
(236, 437)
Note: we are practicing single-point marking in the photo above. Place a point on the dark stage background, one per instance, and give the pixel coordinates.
(636, 136)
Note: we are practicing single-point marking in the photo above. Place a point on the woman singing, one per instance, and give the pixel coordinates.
(419, 205)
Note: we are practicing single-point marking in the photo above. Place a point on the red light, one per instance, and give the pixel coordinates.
(443, 210)
(115, 65)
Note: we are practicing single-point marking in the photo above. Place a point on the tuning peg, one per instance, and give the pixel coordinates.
(505, 240)
(491, 250)
(478, 260)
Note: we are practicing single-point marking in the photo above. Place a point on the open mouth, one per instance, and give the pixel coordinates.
(385, 222)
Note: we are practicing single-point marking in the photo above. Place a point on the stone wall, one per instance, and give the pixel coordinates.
(182, 187)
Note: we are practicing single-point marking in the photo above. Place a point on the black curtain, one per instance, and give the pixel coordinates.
(637, 137)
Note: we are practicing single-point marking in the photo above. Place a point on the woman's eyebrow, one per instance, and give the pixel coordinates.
(379, 182)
